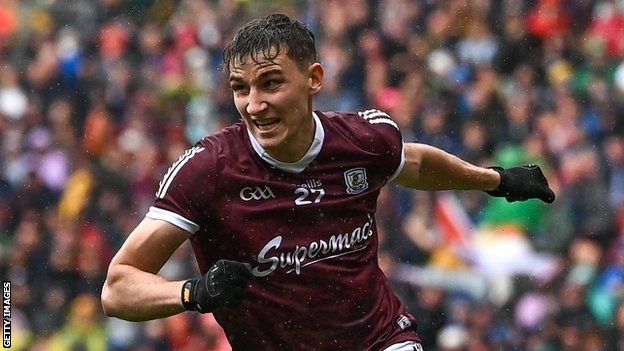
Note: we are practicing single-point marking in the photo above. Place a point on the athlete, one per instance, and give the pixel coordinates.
(280, 211)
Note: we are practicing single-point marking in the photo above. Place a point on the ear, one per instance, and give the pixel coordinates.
(315, 77)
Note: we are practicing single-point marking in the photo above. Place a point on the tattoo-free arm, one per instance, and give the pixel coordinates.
(429, 168)
(133, 290)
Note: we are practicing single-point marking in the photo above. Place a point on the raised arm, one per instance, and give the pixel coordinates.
(133, 290)
(429, 168)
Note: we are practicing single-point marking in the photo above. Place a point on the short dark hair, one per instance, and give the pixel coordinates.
(268, 37)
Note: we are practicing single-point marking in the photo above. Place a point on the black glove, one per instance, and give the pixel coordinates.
(223, 285)
(522, 183)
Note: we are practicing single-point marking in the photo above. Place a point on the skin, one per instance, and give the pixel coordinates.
(133, 290)
(429, 168)
(279, 93)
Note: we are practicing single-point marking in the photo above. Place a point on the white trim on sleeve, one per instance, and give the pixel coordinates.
(173, 218)
(405, 346)
(401, 164)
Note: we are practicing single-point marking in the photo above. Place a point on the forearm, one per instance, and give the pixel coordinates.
(429, 168)
(135, 295)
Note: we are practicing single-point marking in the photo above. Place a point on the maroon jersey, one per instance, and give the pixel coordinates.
(307, 228)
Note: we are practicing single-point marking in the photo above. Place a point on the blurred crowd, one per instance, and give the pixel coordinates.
(99, 97)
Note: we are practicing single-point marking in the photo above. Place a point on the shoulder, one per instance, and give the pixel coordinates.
(361, 121)
(205, 151)
(227, 144)
(225, 140)
(201, 164)
(368, 127)
(377, 117)
(372, 133)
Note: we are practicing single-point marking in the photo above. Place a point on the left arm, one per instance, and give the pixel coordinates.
(429, 168)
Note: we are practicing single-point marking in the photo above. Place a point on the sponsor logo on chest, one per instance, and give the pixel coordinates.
(272, 256)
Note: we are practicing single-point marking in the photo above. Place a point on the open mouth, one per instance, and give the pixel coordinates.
(266, 124)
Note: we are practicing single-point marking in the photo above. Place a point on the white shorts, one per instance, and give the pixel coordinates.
(405, 346)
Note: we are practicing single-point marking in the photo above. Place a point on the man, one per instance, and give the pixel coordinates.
(280, 208)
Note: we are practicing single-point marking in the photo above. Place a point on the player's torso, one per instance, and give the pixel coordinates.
(310, 238)
(260, 211)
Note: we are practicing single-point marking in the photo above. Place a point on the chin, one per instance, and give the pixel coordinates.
(270, 143)
(273, 139)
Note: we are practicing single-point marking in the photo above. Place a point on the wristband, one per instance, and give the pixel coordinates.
(501, 189)
(187, 295)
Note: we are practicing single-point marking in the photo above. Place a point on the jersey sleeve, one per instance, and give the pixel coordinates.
(386, 128)
(185, 190)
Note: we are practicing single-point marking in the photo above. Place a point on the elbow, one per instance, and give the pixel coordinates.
(109, 305)
(110, 298)
(115, 297)
(113, 306)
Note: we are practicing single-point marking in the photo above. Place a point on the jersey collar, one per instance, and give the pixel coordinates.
(294, 167)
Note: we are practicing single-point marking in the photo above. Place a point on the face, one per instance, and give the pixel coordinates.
(274, 98)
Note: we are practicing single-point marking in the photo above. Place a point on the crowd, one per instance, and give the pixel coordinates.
(98, 98)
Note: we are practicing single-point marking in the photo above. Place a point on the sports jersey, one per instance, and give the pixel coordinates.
(307, 228)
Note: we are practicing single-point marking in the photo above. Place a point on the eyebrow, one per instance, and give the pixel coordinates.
(262, 75)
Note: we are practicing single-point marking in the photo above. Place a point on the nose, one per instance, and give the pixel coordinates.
(255, 103)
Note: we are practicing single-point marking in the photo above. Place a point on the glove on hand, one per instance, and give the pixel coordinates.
(522, 183)
(223, 285)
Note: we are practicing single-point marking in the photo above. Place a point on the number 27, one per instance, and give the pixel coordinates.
(304, 193)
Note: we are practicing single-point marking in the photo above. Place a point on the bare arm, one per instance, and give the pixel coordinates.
(429, 168)
(133, 290)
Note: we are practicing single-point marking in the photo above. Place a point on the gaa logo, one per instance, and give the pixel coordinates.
(256, 193)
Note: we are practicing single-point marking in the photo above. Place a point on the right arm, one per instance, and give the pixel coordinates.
(133, 290)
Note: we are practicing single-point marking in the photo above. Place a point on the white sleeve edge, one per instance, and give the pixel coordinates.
(401, 164)
(173, 218)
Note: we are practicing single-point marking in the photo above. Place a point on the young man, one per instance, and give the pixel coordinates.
(280, 211)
